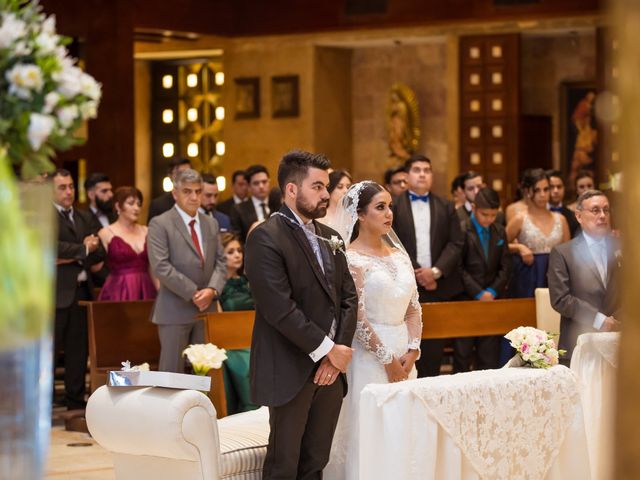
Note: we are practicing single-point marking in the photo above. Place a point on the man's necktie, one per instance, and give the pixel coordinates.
(556, 209)
(313, 241)
(67, 214)
(418, 198)
(265, 215)
(601, 260)
(484, 239)
(196, 242)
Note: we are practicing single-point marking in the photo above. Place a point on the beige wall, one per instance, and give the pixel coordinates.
(546, 62)
(264, 140)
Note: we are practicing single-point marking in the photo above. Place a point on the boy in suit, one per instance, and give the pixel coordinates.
(485, 271)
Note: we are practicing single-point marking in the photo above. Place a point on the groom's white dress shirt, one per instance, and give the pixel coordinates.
(422, 224)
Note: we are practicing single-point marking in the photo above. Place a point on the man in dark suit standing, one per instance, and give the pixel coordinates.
(584, 275)
(429, 229)
(210, 201)
(306, 307)
(240, 189)
(486, 264)
(257, 208)
(164, 202)
(78, 250)
(100, 195)
(556, 199)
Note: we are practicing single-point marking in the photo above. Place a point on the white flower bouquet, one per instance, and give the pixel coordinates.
(204, 357)
(44, 96)
(535, 348)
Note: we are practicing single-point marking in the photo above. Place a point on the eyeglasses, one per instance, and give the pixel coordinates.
(595, 211)
(399, 182)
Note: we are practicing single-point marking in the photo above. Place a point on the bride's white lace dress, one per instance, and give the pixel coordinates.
(389, 323)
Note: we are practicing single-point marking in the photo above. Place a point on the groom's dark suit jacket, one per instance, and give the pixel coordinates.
(577, 291)
(446, 243)
(295, 305)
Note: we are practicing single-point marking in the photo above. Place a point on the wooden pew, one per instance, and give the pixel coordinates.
(120, 331)
(232, 330)
(476, 319)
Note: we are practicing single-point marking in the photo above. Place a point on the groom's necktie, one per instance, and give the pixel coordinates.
(310, 232)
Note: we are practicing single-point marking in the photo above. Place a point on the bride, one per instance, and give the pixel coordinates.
(389, 326)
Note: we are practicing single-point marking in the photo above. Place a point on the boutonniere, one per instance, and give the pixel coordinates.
(618, 255)
(335, 243)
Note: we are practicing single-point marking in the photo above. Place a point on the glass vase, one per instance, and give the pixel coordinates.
(28, 230)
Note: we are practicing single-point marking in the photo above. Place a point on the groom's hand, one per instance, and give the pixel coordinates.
(340, 356)
(326, 373)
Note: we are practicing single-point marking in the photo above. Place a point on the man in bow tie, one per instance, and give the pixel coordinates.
(556, 199)
(429, 229)
(584, 274)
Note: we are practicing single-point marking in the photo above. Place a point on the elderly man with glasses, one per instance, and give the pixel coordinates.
(584, 274)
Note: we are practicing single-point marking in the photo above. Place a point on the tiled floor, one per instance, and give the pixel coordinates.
(76, 456)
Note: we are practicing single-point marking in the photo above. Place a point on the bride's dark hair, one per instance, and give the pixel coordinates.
(370, 190)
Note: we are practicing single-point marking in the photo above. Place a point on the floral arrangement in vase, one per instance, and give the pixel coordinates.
(44, 98)
(535, 348)
(205, 357)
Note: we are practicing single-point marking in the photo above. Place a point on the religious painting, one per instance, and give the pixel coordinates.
(247, 101)
(578, 129)
(285, 96)
(403, 122)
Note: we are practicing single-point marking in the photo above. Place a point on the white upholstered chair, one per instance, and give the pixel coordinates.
(167, 434)
(546, 317)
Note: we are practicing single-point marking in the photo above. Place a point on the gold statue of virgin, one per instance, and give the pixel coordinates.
(403, 122)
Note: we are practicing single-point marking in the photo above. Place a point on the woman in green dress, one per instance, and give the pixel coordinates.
(236, 295)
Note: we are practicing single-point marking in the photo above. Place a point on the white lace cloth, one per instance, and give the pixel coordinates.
(518, 423)
(595, 362)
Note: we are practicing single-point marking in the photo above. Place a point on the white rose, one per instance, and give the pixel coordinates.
(51, 99)
(40, 127)
(89, 110)
(69, 79)
(21, 48)
(24, 79)
(46, 43)
(12, 29)
(67, 115)
(49, 25)
(89, 87)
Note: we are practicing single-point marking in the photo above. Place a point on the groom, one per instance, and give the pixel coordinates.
(305, 320)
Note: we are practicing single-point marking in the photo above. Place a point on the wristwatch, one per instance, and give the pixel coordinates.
(436, 273)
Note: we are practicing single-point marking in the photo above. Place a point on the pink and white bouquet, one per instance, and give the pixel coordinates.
(536, 348)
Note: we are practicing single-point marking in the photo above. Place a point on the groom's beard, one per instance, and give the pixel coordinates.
(311, 211)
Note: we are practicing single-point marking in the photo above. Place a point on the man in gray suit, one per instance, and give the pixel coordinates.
(584, 274)
(187, 257)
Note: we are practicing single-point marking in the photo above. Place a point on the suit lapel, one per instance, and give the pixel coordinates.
(182, 229)
(328, 260)
(494, 238)
(302, 240)
(405, 219)
(434, 211)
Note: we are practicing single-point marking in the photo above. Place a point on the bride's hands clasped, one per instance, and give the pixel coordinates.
(395, 371)
(408, 360)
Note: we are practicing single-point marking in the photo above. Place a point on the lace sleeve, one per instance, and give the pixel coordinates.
(413, 319)
(365, 333)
